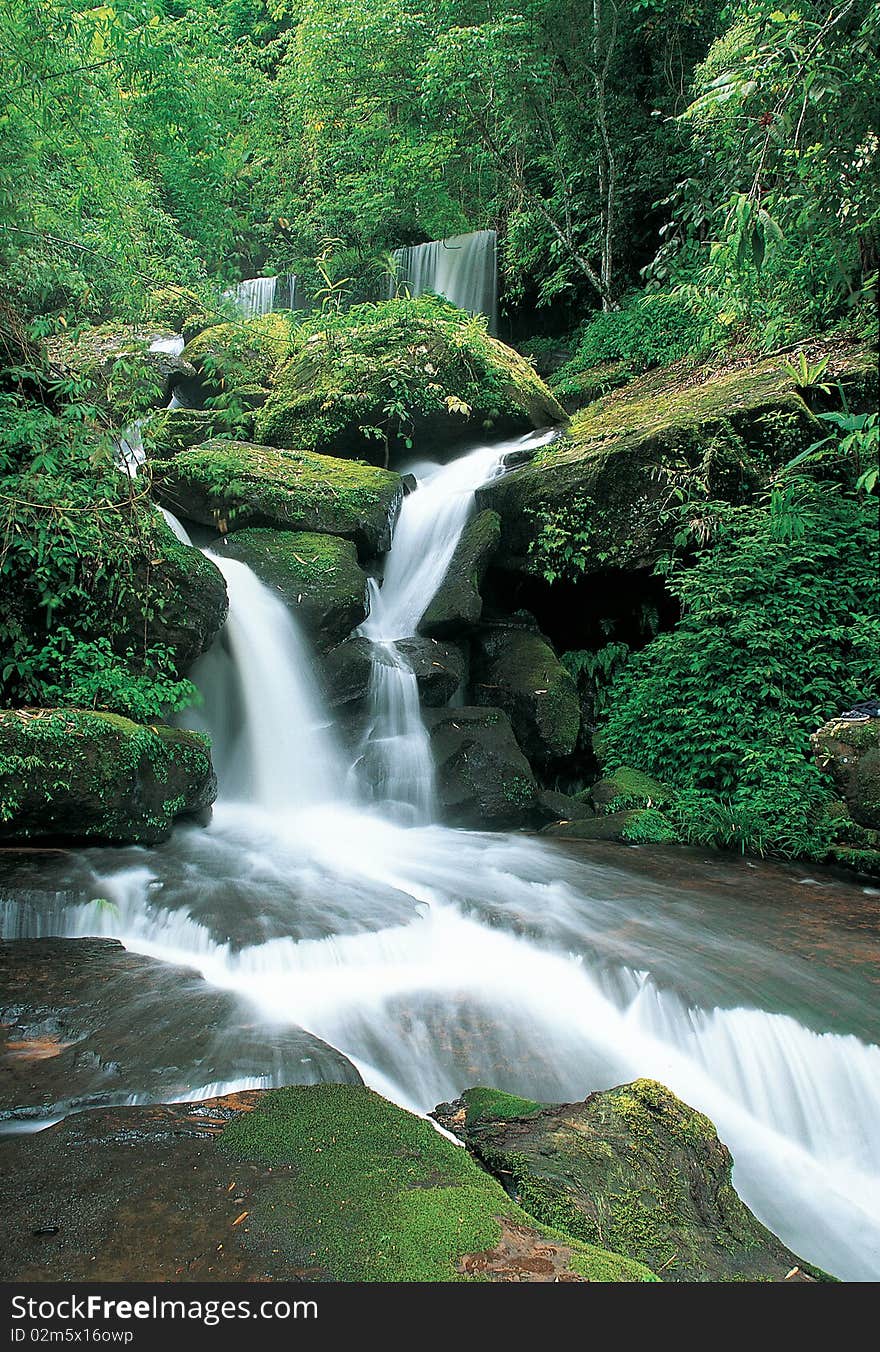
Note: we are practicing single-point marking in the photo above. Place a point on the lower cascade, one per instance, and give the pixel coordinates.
(436, 958)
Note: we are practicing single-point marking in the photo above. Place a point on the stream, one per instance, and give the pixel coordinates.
(324, 894)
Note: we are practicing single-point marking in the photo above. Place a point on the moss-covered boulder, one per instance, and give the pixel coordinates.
(235, 484)
(552, 807)
(483, 778)
(518, 671)
(317, 576)
(83, 775)
(190, 600)
(633, 1165)
(626, 788)
(178, 429)
(148, 353)
(628, 826)
(367, 1192)
(610, 479)
(245, 354)
(403, 373)
(850, 752)
(457, 604)
(347, 670)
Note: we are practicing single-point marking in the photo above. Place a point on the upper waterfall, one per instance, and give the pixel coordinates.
(463, 268)
(261, 295)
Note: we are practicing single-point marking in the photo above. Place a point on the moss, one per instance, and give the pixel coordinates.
(457, 604)
(91, 775)
(241, 484)
(519, 671)
(177, 429)
(387, 376)
(626, 787)
(368, 1192)
(246, 352)
(482, 1103)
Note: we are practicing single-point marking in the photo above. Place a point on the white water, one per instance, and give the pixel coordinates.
(515, 969)
(463, 268)
(261, 295)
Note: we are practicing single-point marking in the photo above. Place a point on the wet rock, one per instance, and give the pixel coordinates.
(84, 1023)
(178, 429)
(631, 826)
(236, 484)
(317, 576)
(457, 604)
(93, 353)
(194, 602)
(438, 669)
(850, 752)
(634, 1165)
(518, 671)
(83, 775)
(552, 807)
(296, 1184)
(483, 778)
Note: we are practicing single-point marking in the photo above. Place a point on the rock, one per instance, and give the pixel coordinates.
(194, 603)
(317, 576)
(449, 382)
(628, 788)
(555, 807)
(605, 478)
(93, 353)
(635, 1165)
(83, 1022)
(173, 306)
(241, 484)
(483, 779)
(246, 353)
(635, 826)
(457, 603)
(438, 668)
(83, 775)
(518, 671)
(850, 752)
(289, 1185)
(178, 429)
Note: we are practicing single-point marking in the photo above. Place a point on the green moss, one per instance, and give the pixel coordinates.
(368, 1192)
(246, 353)
(494, 1103)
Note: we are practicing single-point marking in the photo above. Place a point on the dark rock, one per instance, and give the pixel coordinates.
(850, 751)
(560, 807)
(317, 576)
(235, 484)
(194, 600)
(82, 775)
(519, 672)
(483, 779)
(83, 1022)
(635, 1166)
(457, 604)
(438, 668)
(632, 826)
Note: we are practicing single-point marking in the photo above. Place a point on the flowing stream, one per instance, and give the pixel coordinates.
(436, 959)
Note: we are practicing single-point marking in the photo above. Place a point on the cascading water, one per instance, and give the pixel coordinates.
(436, 959)
(261, 295)
(463, 268)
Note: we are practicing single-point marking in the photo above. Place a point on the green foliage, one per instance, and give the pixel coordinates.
(776, 634)
(595, 672)
(648, 330)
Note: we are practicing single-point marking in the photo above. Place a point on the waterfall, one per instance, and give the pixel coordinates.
(261, 295)
(463, 268)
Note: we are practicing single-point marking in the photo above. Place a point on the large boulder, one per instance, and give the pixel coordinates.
(83, 775)
(178, 429)
(634, 1165)
(516, 670)
(850, 751)
(445, 380)
(149, 352)
(483, 779)
(457, 604)
(83, 1022)
(609, 481)
(317, 576)
(235, 484)
(242, 357)
(192, 592)
(438, 668)
(315, 1183)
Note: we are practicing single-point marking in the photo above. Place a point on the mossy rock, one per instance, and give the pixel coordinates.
(236, 484)
(634, 826)
(552, 807)
(609, 479)
(92, 353)
(446, 378)
(518, 671)
(625, 788)
(483, 778)
(178, 429)
(173, 306)
(317, 576)
(457, 604)
(83, 775)
(366, 1192)
(635, 1166)
(246, 353)
(192, 603)
(850, 752)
